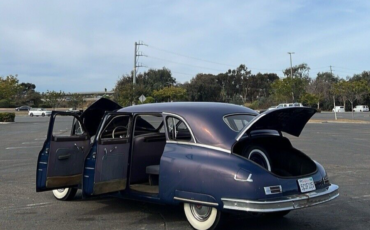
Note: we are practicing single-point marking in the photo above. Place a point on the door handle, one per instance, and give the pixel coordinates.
(64, 157)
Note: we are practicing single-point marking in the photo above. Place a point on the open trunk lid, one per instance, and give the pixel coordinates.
(289, 120)
(92, 116)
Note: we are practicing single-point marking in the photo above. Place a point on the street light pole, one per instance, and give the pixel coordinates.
(291, 67)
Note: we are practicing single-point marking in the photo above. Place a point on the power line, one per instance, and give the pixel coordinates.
(196, 66)
(203, 60)
(148, 67)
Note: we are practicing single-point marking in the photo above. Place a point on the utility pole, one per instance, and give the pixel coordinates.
(291, 73)
(136, 58)
(291, 67)
(335, 111)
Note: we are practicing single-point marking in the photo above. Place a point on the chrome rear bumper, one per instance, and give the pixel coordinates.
(284, 203)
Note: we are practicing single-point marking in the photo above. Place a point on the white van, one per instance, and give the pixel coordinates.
(339, 109)
(361, 108)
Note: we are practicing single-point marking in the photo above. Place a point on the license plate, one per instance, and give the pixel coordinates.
(306, 184)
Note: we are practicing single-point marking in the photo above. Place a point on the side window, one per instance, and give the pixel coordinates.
(67, 126)
(117, 128)
(177, 130)
(148, 124)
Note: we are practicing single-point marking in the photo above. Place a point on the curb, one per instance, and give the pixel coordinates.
(338, 121)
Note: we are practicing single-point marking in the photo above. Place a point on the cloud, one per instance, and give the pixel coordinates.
(86, 45)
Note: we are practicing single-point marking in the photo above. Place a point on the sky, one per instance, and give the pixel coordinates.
(79, 46)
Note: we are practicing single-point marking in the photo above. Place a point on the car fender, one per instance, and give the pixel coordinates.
(201, 174)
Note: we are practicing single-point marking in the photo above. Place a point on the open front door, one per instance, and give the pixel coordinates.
(60, 162)
(106, 166)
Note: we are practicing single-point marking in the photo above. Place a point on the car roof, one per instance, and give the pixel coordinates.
(204, 118)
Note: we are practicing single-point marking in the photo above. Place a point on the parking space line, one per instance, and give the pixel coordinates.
(32, 142)
(25, 147)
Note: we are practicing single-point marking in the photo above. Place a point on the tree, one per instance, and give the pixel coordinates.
(288, 89)
(339, 90)
(299, 71)
(354, 90)
(76, 100)
(321, 87)
(26, 94)
(8, 87)
(156, 79)
(54, 98)
(203, 87)
(170, 94)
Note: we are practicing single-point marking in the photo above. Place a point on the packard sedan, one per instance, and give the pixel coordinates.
(209, 157)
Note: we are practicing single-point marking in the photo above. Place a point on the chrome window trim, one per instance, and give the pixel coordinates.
(183, 120)
(199, 145)
(195, 201)
(233, 114)
(241, 133)
(114, 117)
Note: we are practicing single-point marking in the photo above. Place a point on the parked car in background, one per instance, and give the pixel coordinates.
(23, 108)
(207, 157)
(39, 112)
(284, 105)
(361, 108)
(72, 110)
(339, 109)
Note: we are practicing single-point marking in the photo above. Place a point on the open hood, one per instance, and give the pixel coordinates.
(289, 120)
(92, 116)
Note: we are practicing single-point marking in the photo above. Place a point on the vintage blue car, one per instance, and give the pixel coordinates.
(210, 157)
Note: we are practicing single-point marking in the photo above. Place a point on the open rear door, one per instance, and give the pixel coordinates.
(106, 166)
(60, 162)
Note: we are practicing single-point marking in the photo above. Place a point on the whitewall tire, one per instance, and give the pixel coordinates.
(202, 217)
(260, 157)
(64, 193)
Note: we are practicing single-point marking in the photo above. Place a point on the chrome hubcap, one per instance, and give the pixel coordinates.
(200, 212)
(61, 190)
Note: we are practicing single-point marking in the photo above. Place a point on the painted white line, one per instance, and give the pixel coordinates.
(25, 147)
(34, 142)
(37, 204)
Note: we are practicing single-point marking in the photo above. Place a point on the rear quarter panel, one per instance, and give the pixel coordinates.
(200, 170)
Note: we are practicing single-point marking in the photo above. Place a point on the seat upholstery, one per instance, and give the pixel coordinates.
(147, 151)
(152, 169)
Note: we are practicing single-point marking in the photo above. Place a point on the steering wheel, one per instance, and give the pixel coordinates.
(114, 130)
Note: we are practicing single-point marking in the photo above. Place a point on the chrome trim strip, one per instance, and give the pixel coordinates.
(249, 179)
(284, 203)
(91, 168)
(199, 145)
(245, 129)
(183, 120)
(268, 189)
(43, 163)
(195, 201)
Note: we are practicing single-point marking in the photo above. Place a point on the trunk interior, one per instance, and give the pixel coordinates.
(284, 159)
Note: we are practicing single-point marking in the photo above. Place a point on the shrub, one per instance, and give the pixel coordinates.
(45, 106)
(7, 117)
(4, 103)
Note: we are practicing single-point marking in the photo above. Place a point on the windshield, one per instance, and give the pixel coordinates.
(237, 122)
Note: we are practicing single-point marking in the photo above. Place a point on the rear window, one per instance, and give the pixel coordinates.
(238, 122)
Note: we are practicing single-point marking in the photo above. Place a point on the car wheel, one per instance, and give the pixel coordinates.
(259, 156)
(43, 114)
(276, 214)
(202, 217)
(64, 193)
(31, 114)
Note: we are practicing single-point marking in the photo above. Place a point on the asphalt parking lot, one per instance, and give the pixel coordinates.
(342, 148)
